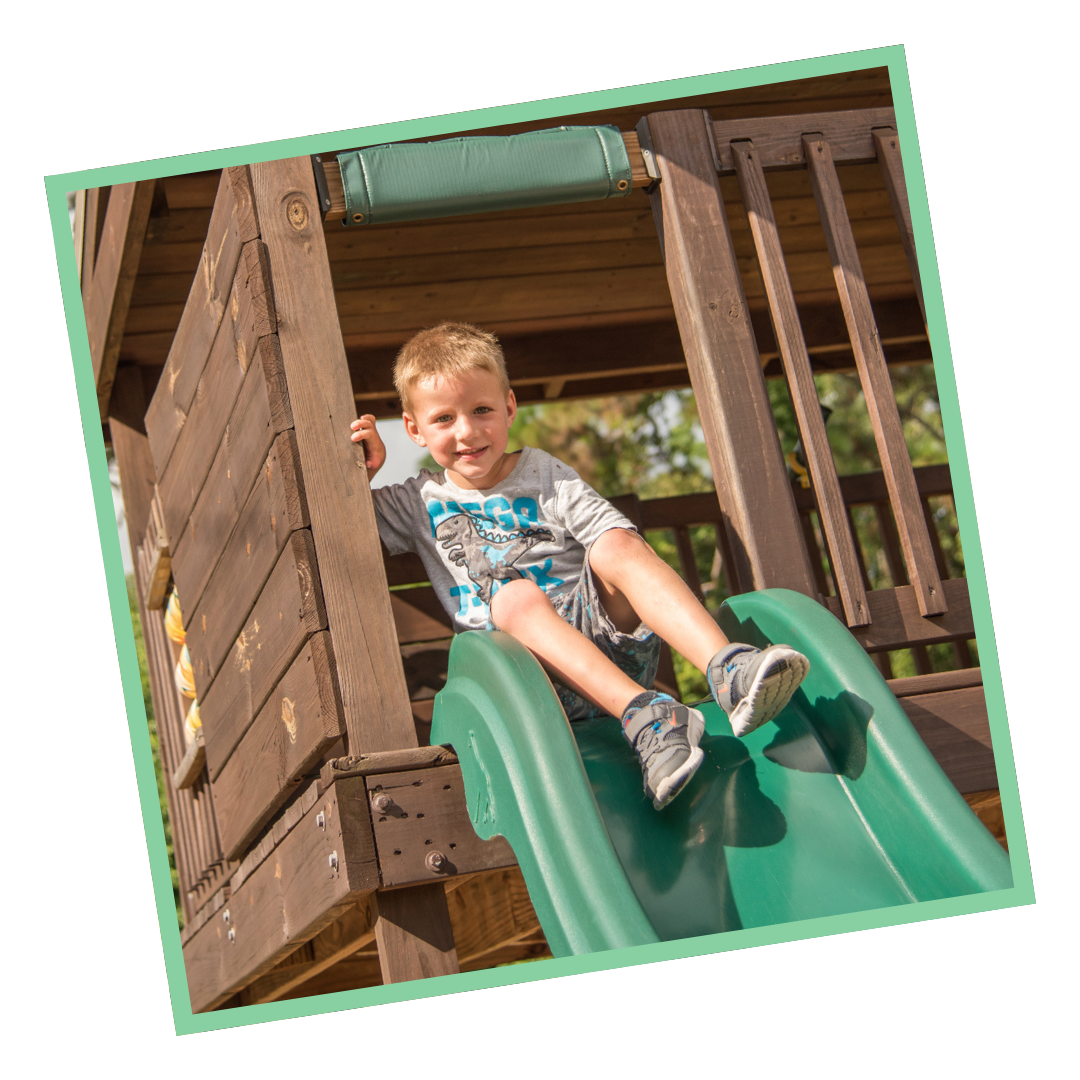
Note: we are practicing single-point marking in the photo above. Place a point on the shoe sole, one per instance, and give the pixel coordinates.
(771, 690)
(671, 785)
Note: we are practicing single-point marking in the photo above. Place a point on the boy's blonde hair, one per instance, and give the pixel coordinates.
(449, 350)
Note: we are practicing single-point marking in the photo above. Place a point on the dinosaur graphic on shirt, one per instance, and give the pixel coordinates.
(487, 557)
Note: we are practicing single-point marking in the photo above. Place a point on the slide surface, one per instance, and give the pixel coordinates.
(835, 807)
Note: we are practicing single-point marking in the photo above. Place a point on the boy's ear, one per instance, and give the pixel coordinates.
(511, 406)
(413, 430)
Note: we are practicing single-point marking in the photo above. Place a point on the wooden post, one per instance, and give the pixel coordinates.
(373, 691)
(416, 940)
(892, 168)
(725, 369)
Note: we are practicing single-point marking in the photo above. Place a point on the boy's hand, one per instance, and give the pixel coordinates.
(364, 430)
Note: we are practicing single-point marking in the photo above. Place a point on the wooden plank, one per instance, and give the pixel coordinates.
(322, 867)
(414, 623)
(896, 622)
(299, 722)
(250, 318)
(274, 510)
(386, 761)
(422, 828)
(800, 378)
(247, 217)
(987, 807)
(937, 682)
(115, 267)
(887, 145)
(341, 939)
(489, 912)
(779, 138)
(134, 464)
(415, 937)
(289, 610)
(197, 330)
(342, 516)
(722, 357)
(97, 203)
(192, 764)
(261, 413)
(871, 487)
(955, 728)
(874, 376)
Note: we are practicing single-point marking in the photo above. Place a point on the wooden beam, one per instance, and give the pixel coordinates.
(874, 376)
(373, 691)
(887, 145)
(415, 936)
(489, 912)
(115, 267)
(937, 682)
(192, 764)
(760, 519)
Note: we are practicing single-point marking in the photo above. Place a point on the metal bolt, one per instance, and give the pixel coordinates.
(320, 820)
(435, 861)
(232, 935)
(381, 803)
(225, 915)
(333, 860)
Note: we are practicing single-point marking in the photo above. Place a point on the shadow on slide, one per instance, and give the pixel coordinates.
(836, 807)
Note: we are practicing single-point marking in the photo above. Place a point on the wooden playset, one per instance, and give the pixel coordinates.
(237, 328)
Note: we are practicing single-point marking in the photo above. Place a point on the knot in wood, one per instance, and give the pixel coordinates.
(297, 213)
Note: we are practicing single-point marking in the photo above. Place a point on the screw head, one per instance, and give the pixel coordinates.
(381, 803)
(333, 860)
(436, 861)
(320, 820)
(232, 935)
(225, 915)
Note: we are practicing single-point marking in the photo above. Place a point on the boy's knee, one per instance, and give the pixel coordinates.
(516, 600)
(614, 545)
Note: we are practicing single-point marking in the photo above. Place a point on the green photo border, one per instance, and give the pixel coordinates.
(57, 186)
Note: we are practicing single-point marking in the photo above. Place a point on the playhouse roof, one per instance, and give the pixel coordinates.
(577, 293)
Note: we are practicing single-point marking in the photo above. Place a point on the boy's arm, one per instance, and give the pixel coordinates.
(364, 430)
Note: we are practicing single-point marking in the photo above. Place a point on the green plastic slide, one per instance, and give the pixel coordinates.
(836, 807)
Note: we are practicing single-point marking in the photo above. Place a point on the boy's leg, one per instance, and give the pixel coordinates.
(664, 733)
(751, 685)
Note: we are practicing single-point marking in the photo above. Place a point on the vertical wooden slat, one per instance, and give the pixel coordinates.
(874, 376)
(815, 554)
(890, 546)
(414, 933)
(960, 650)
(792, 345)
(687, 561)
(97, 201)
(79, 232)
(722, 356)
(887, 146)
(373, 690)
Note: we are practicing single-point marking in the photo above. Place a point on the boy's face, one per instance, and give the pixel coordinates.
(465, 425)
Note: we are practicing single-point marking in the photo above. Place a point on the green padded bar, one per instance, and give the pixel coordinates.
(409, 181)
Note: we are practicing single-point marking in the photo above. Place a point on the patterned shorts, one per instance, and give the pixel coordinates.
(636, 654)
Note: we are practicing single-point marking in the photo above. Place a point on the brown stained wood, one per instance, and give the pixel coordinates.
(414, 934)
(874, 376)
(247, 219)
(955, 728)
(489, 912)
(938, 682)
(987, 807)
(427, 816)
(79, 232)
(413, 623)
(261, 413)
(156, 556)
(131, 450)
(299, 722)
(871, 487)
(289, 610)
(116, 264)
(687, 561)
(722, 357)
(342, 516)
(274, 510)
(192, 763)
(779, 138)
(197, 329)
(896, 623)
(313, 876)
(354, 930)
(887, 145)
(800, 379)
(386, 761)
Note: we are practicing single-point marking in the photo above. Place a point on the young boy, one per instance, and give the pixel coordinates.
(520, 543)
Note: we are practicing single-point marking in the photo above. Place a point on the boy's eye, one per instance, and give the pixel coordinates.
(444, 419)
(483, 409)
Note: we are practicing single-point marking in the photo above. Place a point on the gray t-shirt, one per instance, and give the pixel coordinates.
(536, 524)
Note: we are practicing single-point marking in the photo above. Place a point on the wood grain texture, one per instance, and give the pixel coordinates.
(414, 933)
(343, 524)
(887, 145)
(800, 379)
(274, 510)
(289, 610)
(762, 525)
(874, 376)
(115, 267)
(489, 912)
(316, 873)
(936, 682)
(130, 446)
(192, 763)
(300, 720)
(197, 329)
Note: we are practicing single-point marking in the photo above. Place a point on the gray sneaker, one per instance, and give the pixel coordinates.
(665, 736)
(753, 686)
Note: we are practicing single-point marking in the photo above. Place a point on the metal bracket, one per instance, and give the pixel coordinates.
(319, 170)
(647, 154)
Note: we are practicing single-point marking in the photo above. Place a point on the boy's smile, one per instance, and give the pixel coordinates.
(465, 425)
